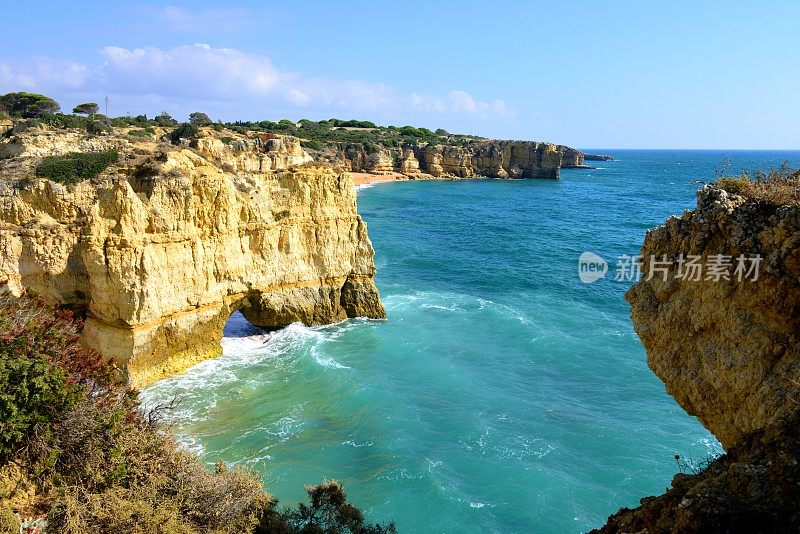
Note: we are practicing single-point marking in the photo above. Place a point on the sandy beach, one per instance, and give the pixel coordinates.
(365, 178)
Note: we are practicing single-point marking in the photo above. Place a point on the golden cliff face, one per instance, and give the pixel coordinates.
(727, 350)
(166, 244)
(494, 159)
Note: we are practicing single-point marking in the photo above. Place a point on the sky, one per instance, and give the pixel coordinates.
(613, 74)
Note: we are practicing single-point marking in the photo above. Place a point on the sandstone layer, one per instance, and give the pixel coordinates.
(161, 248)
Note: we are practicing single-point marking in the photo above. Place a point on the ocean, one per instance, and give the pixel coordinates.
(502, 394)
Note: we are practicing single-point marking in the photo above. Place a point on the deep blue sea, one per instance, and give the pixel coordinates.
(502, 394)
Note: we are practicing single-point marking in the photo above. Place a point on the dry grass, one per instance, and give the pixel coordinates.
(780, 187)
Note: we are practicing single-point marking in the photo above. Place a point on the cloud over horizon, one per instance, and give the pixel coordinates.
(196, 75)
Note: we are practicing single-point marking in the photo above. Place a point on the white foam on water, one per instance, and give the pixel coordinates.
(243, 346)
(326, 361)
(352, 443)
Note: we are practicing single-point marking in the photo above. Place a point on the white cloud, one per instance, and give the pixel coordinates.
(42, 72)
(192, 70)
(199, 75)
(463, 103)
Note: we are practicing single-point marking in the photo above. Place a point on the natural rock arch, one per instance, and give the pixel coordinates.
(160, 268)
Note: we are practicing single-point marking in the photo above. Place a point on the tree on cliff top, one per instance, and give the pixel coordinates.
(199, 118)
(28, 105)
(87, 108)
(165, 119)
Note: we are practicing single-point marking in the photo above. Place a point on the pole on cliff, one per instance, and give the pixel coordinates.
(106, 106)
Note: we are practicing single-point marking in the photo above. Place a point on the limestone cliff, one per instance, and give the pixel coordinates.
(493, 159)
(162, 247)
(727, 350)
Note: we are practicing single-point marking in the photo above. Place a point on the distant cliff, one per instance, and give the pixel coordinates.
(163, 246)
(597, 157)
(488, 158)
(727, 349)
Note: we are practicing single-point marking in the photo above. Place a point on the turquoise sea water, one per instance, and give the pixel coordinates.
(502, 394)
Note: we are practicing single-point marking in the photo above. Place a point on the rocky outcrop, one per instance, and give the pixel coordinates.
(493, 159)
(597, 157)
(257, 154)
(164, 246)
(726, 348)
(572, 159)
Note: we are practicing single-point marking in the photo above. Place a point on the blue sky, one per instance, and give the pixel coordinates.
(588, 74)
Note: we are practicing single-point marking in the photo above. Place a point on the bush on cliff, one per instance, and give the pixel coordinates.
(60, 120)
(199, 118)
(75, 166)
(187, 130)
(778, 186)
(76, 449)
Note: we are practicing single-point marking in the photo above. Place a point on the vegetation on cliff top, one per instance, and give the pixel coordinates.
(78, 454)
(28, 105)
(778, 186)
(315, 135)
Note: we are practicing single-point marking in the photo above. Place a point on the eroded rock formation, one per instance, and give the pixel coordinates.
(727, 350)
(165, 245)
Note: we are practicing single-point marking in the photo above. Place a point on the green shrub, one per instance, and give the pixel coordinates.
(226, 139)
(165, 119)
(8, 521)
(186, 130)
(44, 370)
(59, 120)
(75, 166)
(98, 126)
(313, 145)
(736, 186)
(144, 132)
(329, 512)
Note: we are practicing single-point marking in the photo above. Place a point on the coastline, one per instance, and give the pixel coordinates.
(366, 179)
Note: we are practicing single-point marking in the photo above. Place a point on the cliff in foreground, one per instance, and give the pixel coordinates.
(162, 246)
(727, 350)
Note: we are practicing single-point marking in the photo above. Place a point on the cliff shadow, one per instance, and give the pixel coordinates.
(237, 326)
